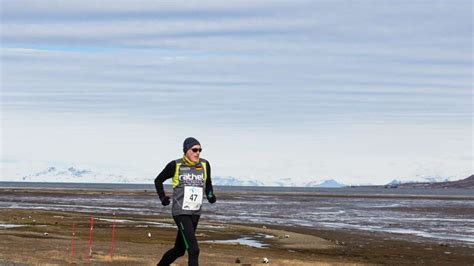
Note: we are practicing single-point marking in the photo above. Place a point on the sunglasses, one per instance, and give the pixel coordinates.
(196, 150)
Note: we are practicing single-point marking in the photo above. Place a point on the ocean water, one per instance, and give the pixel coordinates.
(444, 215)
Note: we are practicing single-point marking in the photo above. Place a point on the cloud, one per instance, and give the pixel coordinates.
(260, 67)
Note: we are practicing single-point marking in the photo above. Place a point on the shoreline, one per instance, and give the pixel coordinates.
(151, 192)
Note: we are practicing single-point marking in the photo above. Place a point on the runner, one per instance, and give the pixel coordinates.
(191, 179)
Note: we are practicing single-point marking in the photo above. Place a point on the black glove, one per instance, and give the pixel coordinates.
(165, 201)
(212, 199)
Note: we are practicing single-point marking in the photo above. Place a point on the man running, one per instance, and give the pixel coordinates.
(191, 180)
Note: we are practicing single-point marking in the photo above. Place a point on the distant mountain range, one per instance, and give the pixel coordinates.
(73, 174)
(427, 179)
(330, 183)
(284, 182)
(232, 181)
(463, 183)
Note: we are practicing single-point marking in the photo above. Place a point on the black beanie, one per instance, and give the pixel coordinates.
(189, 142)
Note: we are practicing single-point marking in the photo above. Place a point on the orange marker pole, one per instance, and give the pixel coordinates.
(112, 245)
(90, 237)
(72, 242)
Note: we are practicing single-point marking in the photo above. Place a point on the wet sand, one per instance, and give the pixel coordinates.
(28, 243)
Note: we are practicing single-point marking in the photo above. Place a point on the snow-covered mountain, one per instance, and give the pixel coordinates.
(284, 182)
(80, 175)
(395, 182)
(463, 183)
(423, 179)
(233, 181)
(330, 183)
(71, 174)
(435, 179)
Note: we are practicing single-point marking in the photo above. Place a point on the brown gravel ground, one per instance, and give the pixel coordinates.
(28, 245)
(290, 246)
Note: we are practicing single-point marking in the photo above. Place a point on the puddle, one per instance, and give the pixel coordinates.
(140, 223)
(7, 226)
(209, 226)
(265, 236)
(246, 241)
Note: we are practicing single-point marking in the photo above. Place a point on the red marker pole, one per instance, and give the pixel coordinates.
(90, 237)
(72, 243)
(112, 245)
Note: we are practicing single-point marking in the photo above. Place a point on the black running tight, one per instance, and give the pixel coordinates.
(185, 240)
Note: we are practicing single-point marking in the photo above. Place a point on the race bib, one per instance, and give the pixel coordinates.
(192, 198)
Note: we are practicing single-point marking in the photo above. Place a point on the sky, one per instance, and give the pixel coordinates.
(357, 91)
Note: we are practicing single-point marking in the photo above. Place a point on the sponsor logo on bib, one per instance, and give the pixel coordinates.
(191, 177)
